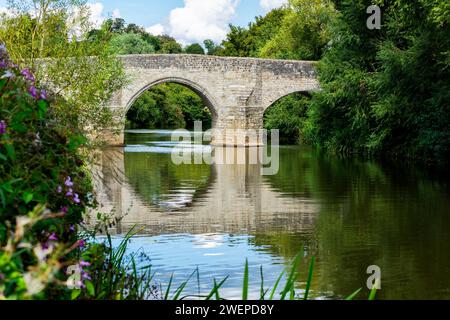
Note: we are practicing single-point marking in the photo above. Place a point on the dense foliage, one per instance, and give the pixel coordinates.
(44, 187)
(288, 115)
(49, 37)
(386, 91)
(168, 106)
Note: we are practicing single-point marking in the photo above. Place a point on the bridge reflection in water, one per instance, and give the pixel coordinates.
(348, 213)
(232, 199)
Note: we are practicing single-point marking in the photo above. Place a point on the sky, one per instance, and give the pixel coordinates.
(188, 21)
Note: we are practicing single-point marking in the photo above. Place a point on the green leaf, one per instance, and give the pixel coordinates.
(10, 151)
(42, 107)
(2, 83)
(75, 294)
(27, 197)
(3, 157)
(90, 288)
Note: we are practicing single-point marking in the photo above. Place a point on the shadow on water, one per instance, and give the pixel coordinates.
(348, 213)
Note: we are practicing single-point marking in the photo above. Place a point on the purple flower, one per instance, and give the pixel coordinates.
(43, 95)
(85, 276)
(59, 189)
(33, 91)
(84, 264)
(2, 127)
(68, 182)
(64, 210)
(72, 228)
(81, 243)
(80, 285)
(3, 64)
(53, 237)
(76, 198)
(69, 193)
(27, 74)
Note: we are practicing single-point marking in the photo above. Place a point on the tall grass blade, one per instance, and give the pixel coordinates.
(198, 280)
(353, 295)
(216, 288)
(182, 287)
(272, 294)
(217, 291)
(166, 296)
(310, 275)
(245, 284)
(262, 292)
(291, 279)
(373, 293)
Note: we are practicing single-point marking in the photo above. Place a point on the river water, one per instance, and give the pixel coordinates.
(347, 213)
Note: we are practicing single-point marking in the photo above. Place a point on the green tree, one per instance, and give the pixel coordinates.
(195, 48)
(83, 72)
(304, 31)
(288, 115)
(168, 106)
(237, 43)
(212, 48)
(386, 91)
(169, 45)
(130, 43)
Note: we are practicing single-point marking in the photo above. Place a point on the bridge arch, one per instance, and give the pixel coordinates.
(207, 98)
(275, 97)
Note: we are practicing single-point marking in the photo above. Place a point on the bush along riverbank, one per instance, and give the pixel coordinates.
(45, 189)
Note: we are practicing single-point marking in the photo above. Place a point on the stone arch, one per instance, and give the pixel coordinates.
(271, 102)
(207, 98)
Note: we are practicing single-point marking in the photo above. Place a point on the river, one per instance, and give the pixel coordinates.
(347, 213)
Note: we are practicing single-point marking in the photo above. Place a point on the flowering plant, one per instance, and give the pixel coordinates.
(44, 188)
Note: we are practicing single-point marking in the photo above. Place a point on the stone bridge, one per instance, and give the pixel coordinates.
(236, 90)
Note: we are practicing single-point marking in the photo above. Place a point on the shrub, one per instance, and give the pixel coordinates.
(44, 188)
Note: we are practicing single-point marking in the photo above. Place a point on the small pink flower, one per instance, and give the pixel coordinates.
(33, 91)
(2, 127)
(84, 264)
(81, 243)
(27, 74)
(76, 198)
(68, 182)
(53, 237)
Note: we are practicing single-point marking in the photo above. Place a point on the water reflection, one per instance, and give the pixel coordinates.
(349, 214)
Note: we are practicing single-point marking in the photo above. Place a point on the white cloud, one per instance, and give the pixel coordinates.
(96, 10)
(156, 30)
(199, 20)
(116, 13)
(97, 14)
(272, 4)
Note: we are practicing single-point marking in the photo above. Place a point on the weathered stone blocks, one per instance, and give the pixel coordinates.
(237, 90)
